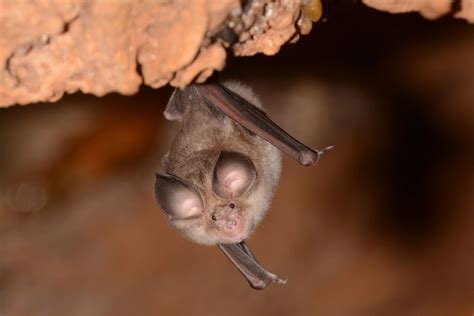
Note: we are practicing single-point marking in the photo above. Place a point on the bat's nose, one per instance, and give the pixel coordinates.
(232, 225)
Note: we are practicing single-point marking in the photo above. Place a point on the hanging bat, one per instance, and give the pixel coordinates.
(222, 169)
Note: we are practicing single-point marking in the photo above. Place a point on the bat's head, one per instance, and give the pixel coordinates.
(221, 209)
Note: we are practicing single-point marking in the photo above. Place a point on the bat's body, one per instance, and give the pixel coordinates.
(205, 134)
(222, 170)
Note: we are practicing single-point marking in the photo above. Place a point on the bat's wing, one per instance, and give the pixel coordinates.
(241, 256)
(255, 120)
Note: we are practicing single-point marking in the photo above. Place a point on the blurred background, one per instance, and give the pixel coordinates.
(382, 225)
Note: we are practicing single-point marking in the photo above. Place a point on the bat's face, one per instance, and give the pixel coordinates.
(212, 212)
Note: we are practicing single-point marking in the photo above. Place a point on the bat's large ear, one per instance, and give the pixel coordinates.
(177, 199)
(234, 173)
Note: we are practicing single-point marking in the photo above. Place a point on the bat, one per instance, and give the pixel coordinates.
(222, 169)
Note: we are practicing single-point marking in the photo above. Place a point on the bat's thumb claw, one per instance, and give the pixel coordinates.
(322, 151)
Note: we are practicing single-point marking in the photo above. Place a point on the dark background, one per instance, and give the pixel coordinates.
(382, 225)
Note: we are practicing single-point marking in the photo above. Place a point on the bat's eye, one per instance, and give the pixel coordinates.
(231, 205)
(213, 217)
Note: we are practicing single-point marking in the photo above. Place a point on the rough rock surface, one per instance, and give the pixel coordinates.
(430, 9)
(466, 11)
(52, 47)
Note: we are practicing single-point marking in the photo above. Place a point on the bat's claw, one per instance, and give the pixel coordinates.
(280, 281)
(262, 284)
(322, 151)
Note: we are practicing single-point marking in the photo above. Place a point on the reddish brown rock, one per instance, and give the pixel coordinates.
(466, 11)
(430, 9)
(52, 47)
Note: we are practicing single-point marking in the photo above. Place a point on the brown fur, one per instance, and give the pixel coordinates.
(201, 138)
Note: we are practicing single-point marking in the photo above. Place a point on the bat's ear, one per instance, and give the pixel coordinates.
(177, 199)
(234, 173)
